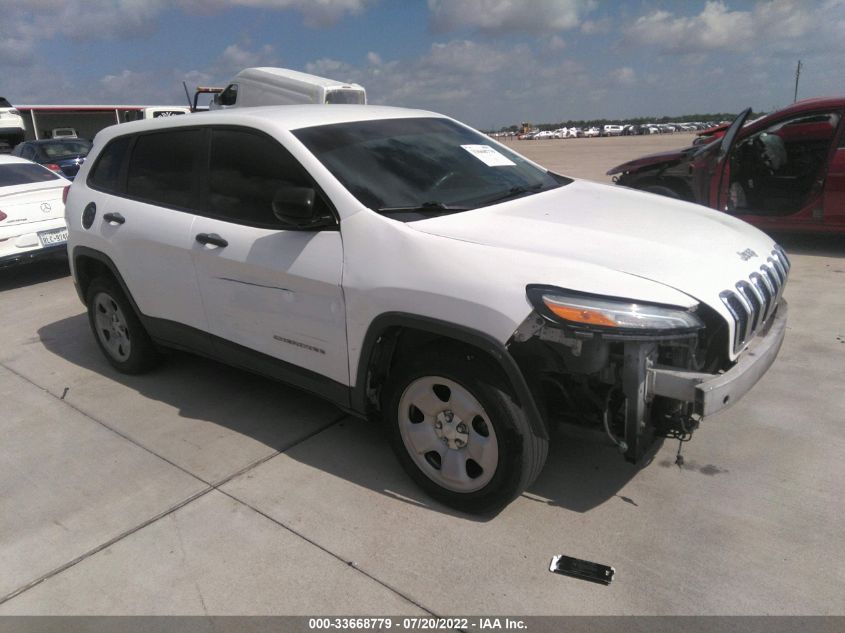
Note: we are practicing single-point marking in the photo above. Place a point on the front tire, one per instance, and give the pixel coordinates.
(117, 329)
(458, 432)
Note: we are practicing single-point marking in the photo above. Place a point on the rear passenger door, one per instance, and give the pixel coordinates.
(145, 188)
(266, 287)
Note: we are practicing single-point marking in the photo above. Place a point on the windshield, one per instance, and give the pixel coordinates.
(24, 174)
(422, 165)
(355, 97)
(66, 149)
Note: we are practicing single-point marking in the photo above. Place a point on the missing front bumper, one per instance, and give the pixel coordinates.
(711, 393)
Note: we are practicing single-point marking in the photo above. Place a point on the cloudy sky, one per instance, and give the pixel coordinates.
(487, 62)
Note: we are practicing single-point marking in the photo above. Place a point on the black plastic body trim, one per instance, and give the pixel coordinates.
(47, 252)
(84, 251)
(183, 337)
(480, 340)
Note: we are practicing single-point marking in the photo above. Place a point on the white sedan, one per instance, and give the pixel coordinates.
(32, 209)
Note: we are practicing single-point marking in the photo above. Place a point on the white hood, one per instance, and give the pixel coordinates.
(690, 248)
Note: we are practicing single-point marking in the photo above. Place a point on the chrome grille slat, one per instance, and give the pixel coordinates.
(773, 279)
(755, 306)
(765, 293)
(779, 269)
(752, 302)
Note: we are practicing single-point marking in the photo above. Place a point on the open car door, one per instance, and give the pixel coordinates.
(718, 192)
(779, 177)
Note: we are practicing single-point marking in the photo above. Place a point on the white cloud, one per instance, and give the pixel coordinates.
(374, 58)
(507, 16)
(481, 83)
(625, 75)
(316, 13)
(777, 24)
(26, 24)
(593, 27)
(556, 43)
(235, 58)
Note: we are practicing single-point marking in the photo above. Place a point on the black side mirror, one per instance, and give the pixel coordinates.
(294, 205)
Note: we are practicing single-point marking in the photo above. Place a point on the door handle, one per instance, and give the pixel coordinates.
(114, 218)
(211, 238)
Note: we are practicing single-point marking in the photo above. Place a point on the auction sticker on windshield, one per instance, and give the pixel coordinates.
(488, 155)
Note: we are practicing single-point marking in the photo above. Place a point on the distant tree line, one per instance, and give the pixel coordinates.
(586, 123)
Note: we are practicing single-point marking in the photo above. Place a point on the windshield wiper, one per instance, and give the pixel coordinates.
(425, 207)
(513, 192)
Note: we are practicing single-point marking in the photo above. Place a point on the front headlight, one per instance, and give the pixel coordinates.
(603, 314)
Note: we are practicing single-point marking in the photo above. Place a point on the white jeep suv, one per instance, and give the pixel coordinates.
(410, 269)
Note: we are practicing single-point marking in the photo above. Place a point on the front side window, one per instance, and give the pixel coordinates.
(163, 168)
(246, 170)
(24, 174)
(423, 165)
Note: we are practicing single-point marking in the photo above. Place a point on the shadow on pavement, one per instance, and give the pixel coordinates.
(30, 273)
(580, 474)
(822, 245)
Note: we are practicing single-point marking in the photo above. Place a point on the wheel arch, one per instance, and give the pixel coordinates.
(89, 264)
(657, 177)
(393, 333)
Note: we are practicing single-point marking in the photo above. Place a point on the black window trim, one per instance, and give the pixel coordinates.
(201, 178)
(206, 170)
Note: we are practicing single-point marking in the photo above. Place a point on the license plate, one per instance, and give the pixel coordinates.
(54, 236)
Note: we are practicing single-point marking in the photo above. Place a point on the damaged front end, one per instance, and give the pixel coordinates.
(637, 371)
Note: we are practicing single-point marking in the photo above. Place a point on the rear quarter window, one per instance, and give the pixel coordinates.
(105, 175)
(163, 168)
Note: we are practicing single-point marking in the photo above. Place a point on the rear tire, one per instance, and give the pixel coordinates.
(458, 432)
(118, 330)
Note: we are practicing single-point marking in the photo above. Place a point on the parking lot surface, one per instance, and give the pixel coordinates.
(201, 489)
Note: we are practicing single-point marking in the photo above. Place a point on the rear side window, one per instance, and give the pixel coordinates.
(23, 174)
(162, 169)
(245, 171)
(106, 173)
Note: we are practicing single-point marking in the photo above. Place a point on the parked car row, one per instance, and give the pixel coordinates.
(32, 211)
(34, 180)
(63, 155)
(608, 130)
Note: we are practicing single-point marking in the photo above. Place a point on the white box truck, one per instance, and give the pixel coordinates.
(281, 86)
